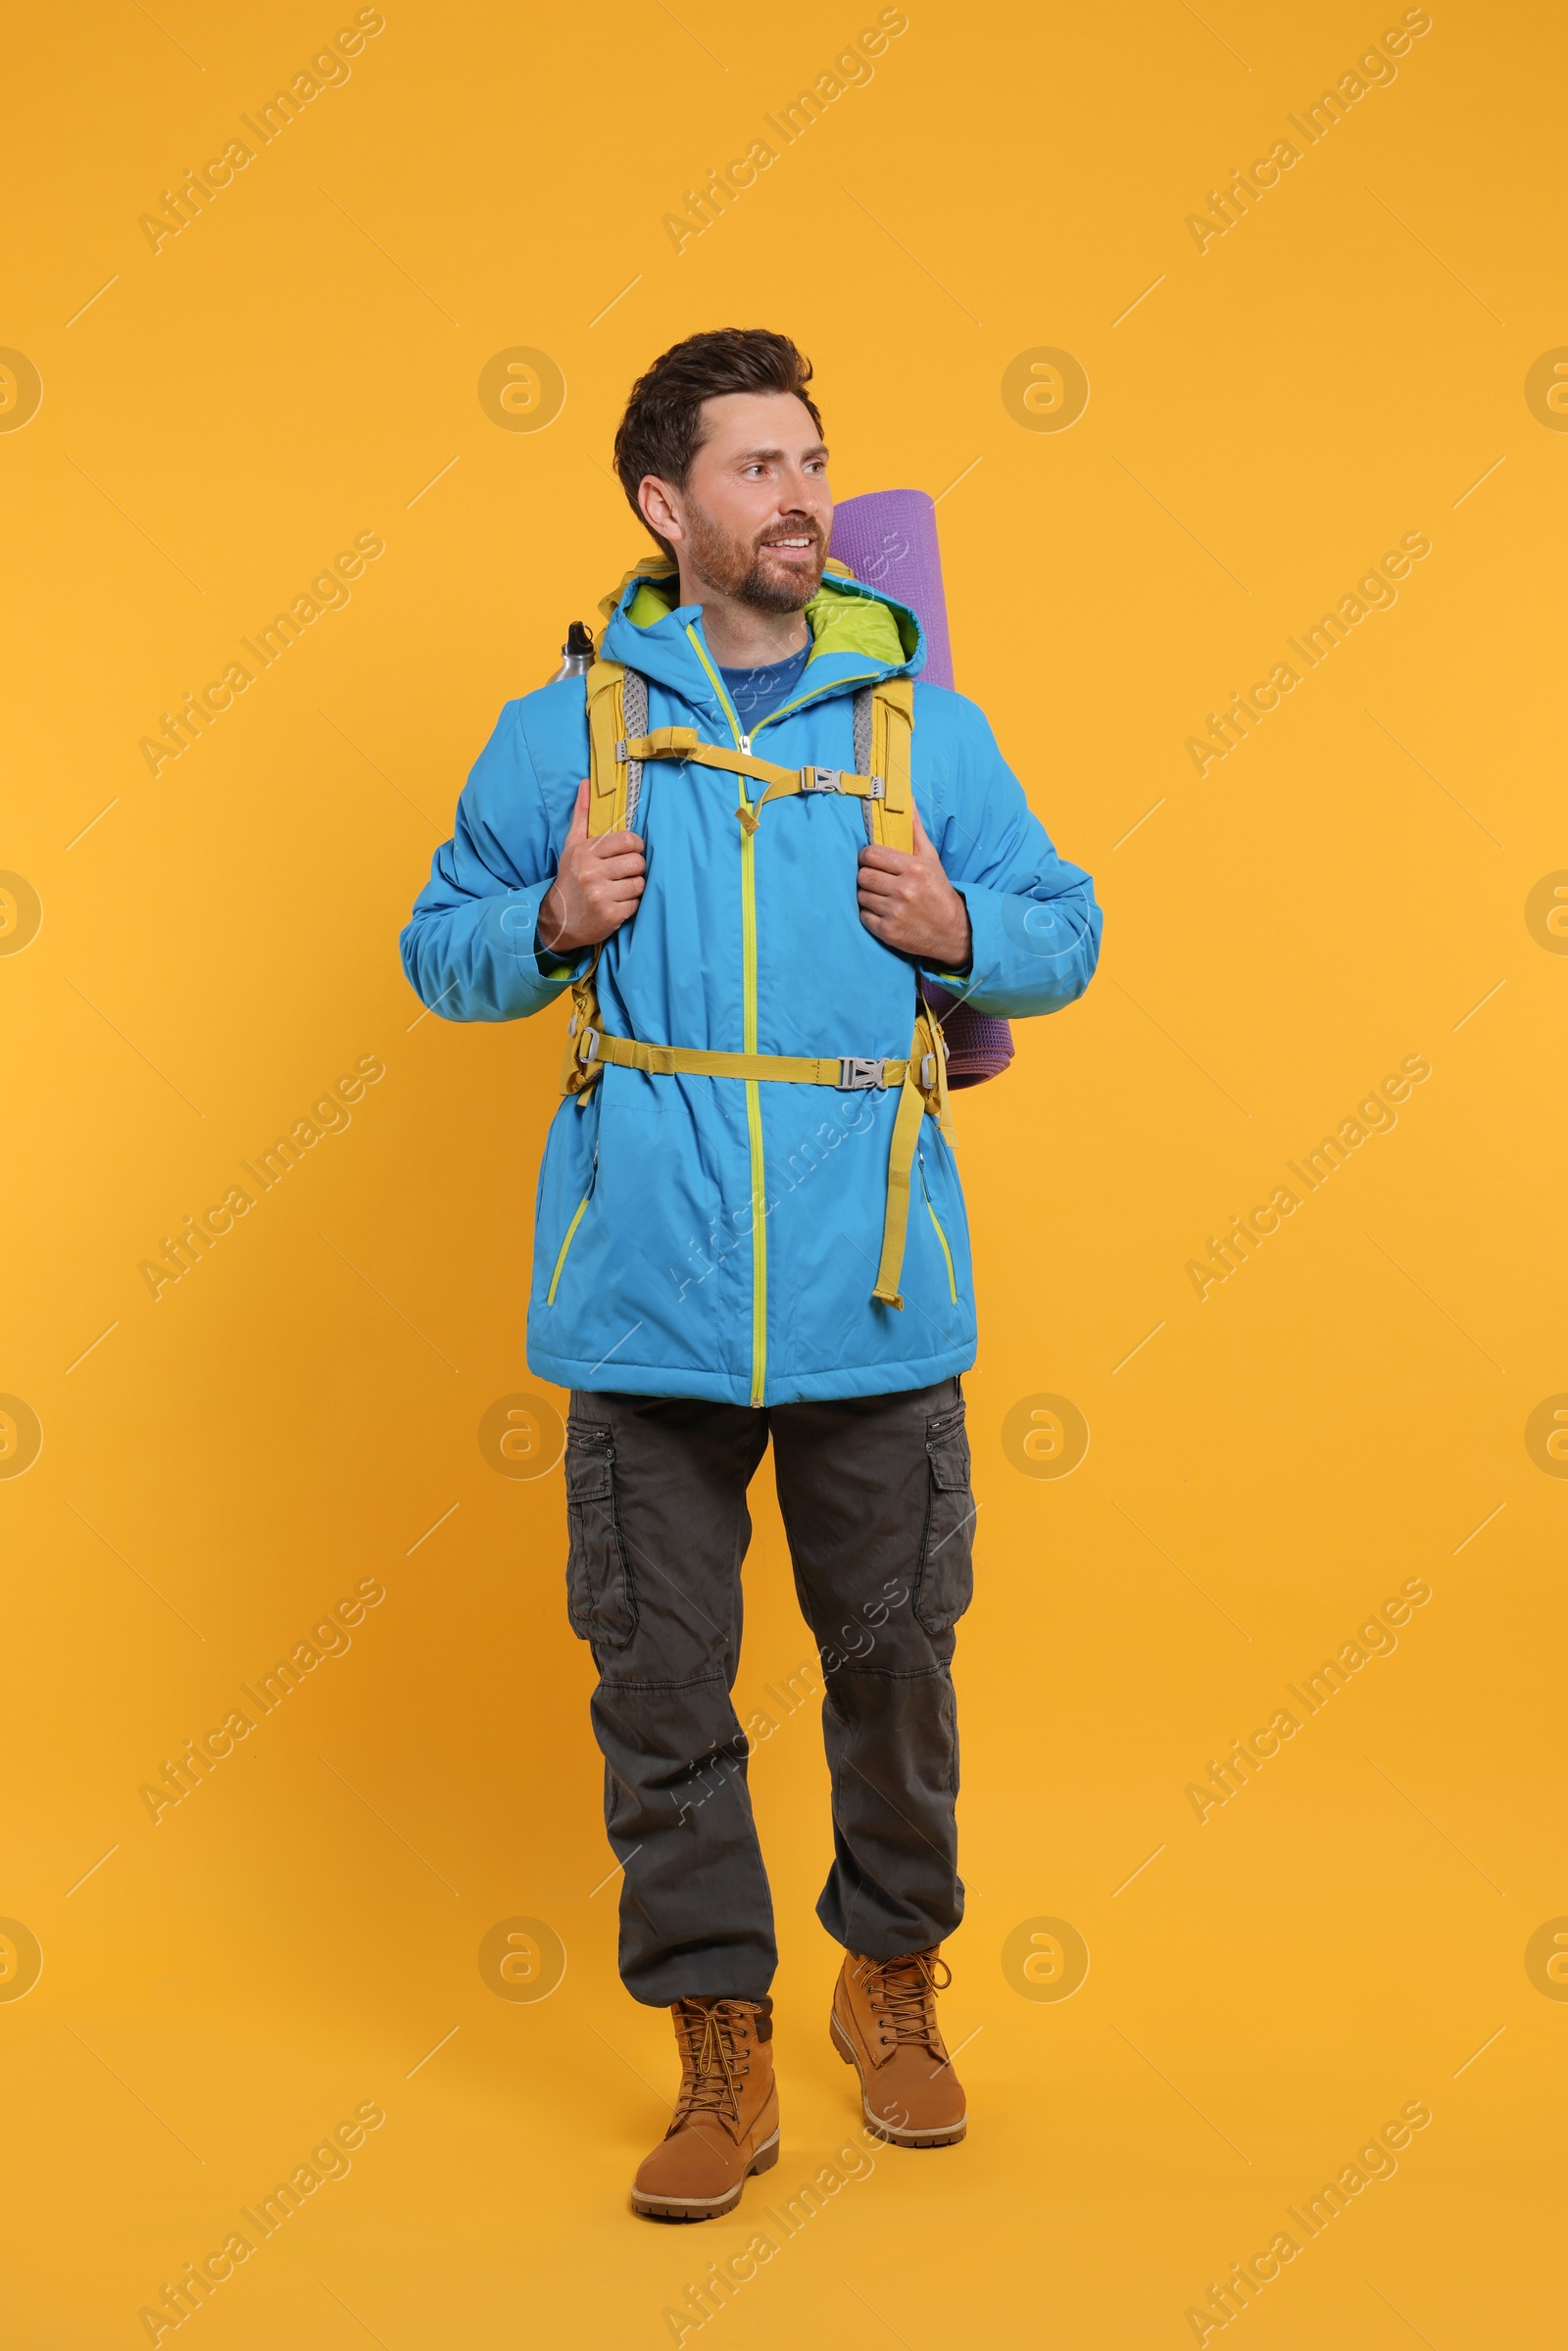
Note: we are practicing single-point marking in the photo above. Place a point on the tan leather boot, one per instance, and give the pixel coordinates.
(726, 2116)
(884, 2024)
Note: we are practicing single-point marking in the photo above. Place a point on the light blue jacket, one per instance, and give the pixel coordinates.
(651, 1273)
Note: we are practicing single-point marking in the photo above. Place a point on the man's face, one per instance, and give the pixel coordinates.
(756, 516)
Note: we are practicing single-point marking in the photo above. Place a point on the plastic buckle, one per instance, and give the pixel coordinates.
(819, 779)
(620, 753)
(856, 1076)
(879, 786)
(588, 1050)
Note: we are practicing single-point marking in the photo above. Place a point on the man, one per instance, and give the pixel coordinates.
(707, 1272)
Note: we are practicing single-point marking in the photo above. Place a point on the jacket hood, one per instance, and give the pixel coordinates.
(859, 635)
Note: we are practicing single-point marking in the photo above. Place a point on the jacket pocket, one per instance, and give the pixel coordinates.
(945, 1584)
(947, 1254)
(571, 1229)
(571, 1233)
(600, 1601)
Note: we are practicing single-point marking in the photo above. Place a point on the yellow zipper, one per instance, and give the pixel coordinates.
(550, 1295)
(787, 710)
(947, 1254)
(754, 1100)
(753, 1115)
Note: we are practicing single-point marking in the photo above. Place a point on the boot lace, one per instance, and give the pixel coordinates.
(905, 1992)
(716, 2034)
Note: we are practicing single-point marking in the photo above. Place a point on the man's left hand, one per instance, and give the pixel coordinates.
(908, 901)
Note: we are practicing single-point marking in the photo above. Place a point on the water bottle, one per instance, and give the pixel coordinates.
(576, 655)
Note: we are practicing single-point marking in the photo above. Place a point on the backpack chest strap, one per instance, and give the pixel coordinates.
(782, 783)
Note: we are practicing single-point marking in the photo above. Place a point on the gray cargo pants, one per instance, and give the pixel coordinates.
(876, 1504)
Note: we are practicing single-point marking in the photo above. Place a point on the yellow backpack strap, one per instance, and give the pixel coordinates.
(892, 729)
(581, 1063)
(893, 827)
(922, 1093)
(606, 748)
(607, 814)
(901, 1165)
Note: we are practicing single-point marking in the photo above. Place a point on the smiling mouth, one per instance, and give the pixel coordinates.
(798, 543)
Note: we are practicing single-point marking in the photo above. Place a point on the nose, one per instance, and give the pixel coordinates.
(803, 502)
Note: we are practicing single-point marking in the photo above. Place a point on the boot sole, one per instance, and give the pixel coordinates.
(947, 2136)
(705, 2208)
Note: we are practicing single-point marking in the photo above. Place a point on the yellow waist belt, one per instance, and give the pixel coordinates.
(921, 1081)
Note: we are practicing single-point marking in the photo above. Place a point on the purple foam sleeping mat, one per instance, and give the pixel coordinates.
(889, 539)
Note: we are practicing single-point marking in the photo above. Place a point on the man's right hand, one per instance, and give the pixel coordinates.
(596, 888)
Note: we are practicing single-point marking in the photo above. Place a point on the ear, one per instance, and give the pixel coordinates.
(659, 505)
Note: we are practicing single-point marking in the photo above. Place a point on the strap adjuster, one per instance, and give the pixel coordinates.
(821, 779)
(858, 1076)
(588, 1050)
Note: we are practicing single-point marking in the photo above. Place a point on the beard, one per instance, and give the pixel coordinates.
(741, 568)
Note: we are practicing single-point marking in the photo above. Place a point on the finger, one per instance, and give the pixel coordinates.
(885, 861)
(886, 889)
(619, 900)
(616, 868)
(926, 849)
(577, 830)
(616, 845)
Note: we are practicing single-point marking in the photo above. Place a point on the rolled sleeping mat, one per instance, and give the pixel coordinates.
(889, 540)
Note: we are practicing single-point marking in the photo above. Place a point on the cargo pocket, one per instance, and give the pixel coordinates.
(598, 1593)
(945, 1584)
(946, 1559)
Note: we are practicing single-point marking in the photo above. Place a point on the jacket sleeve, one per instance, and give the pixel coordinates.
(1035, 923)
(469, 948)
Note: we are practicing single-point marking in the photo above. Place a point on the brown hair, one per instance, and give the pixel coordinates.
(661, 430)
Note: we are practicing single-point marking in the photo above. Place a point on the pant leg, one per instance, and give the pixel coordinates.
(658, 1525)
(876, 1502)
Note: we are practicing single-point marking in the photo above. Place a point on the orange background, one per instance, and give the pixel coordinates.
(299, 365)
